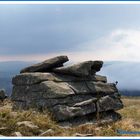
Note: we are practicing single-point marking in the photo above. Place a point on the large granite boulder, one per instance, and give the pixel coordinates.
(69, 93)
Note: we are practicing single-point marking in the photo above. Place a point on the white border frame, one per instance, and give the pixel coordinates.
(70, 2)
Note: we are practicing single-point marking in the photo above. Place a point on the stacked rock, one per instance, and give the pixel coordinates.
(73, 94)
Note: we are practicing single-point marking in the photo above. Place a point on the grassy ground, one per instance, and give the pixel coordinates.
(8, 122)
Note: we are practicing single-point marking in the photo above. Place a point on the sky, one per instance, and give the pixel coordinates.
(83, 32)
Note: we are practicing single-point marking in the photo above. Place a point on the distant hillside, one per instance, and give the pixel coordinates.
(126, 73)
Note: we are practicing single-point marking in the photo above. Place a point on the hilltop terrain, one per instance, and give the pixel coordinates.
(43, 90)
(44, 125)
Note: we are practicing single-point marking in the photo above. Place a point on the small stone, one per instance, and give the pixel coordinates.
(2, 136)
(48, 132)
(17, 134)
(83, 135)
(78, 135)
(136, 125)
(27, 124)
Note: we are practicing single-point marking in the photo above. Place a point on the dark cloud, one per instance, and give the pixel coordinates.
(34, 29)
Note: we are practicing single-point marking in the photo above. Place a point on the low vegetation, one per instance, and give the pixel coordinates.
(43, 125)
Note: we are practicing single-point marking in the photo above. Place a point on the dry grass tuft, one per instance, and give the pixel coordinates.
(8, 122)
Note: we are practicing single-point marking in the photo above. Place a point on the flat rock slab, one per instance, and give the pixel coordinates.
(51, 89)
(104, 118)
(47, 89)
(107, 103)
(87, 68)
(95, 88)
(46, 65)
(63, 112)
(38, 77)
(100, 87)
(27, 102)
(33, 78)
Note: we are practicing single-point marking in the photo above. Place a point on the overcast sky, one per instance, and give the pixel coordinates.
(83, 32)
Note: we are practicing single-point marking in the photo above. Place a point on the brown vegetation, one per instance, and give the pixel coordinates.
(47, 127)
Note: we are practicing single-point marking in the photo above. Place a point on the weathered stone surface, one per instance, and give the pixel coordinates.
(51, 89)
(23, 103)
(63, 112)
(28, 128)
(46, 65)
(86, 102)
(104, 104)
(100, 87)
(33, 78)
(86, 68)
(100, 78)
(17, 134)
(109, 103)
(38, 77)
(95, 88)
(83, 135)
(27, 124)
(66, 92)
(105, 118)
(47, 89)
(86, 107)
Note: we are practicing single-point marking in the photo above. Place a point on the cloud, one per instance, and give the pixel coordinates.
(126, 73)
(120, 44)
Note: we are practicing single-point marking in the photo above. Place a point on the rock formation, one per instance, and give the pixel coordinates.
(2, 94)
(73, 94)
